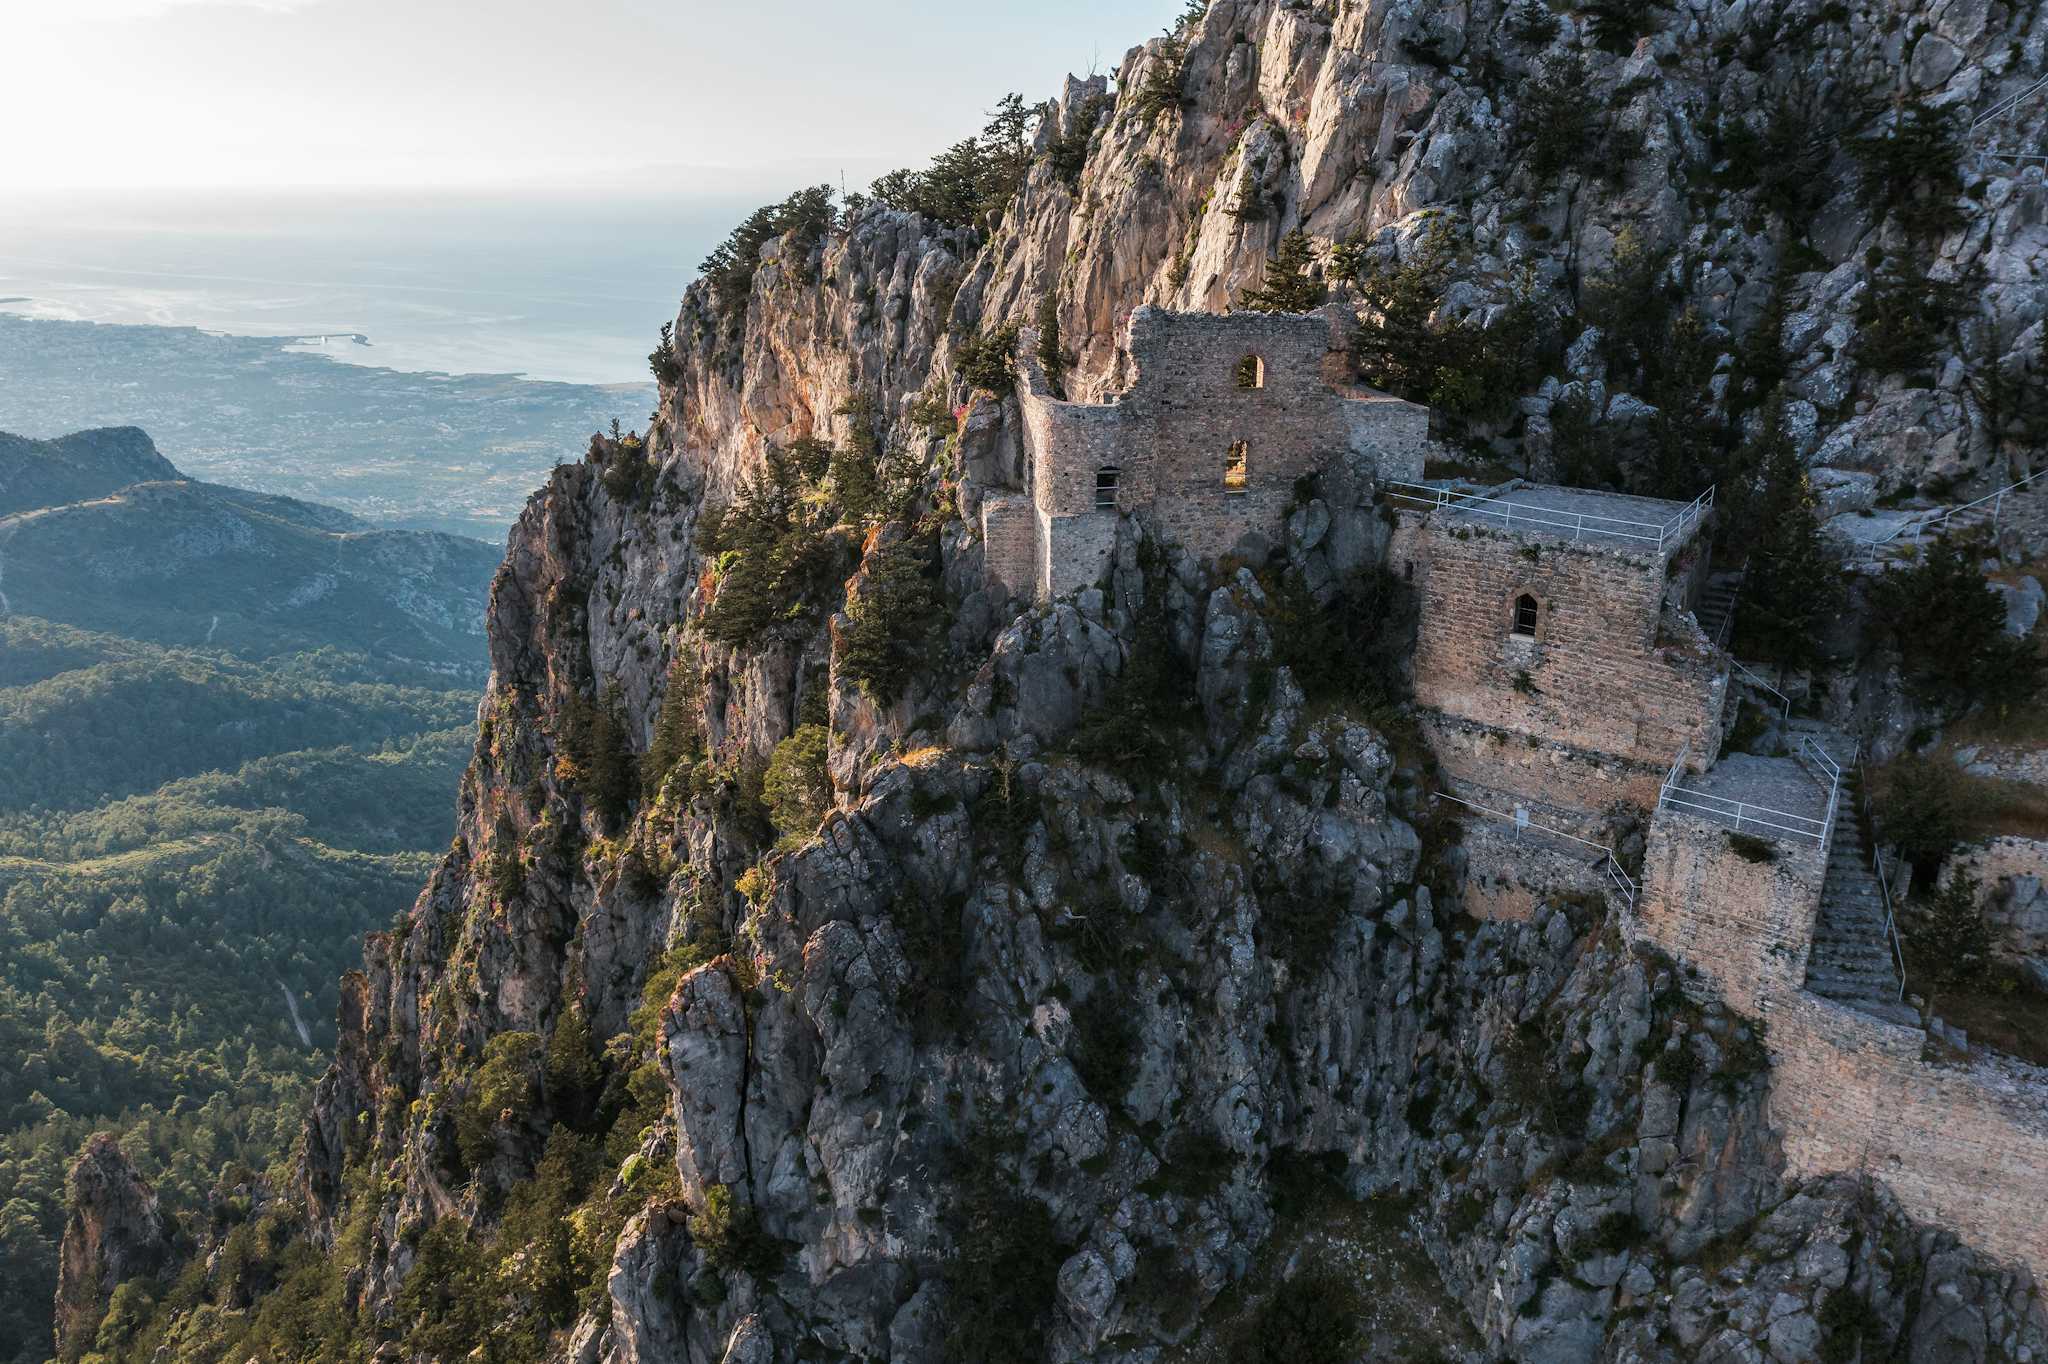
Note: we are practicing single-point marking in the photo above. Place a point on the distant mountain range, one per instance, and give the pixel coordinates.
(100, 531)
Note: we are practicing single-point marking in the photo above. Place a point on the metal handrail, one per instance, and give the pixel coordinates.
(1741, 815)
(1884, 886)
(2008, 104)
(1936, 519)
(1831, 783)
(1756, 681)
(1617, 875)
(1579, 523)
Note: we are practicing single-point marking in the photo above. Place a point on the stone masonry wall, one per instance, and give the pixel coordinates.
(1568, 787)
(1170, 437)
(1963, 1145)
(1508, 873)
(1746, 925)
(1604, 672)
(1009, 543)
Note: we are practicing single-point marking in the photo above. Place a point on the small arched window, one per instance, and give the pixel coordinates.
(1526, 614)
(1251, 372)
(1237, 467)
(1105, 487)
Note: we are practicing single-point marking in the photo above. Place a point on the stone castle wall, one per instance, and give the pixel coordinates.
(1566, 786)
(1170, 437)
(1746, 925)
(1009, 541)
(1963, 1145)
(1612, 670)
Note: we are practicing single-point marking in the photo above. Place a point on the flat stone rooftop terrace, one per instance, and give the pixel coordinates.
(1768, 797)
(1581, 514)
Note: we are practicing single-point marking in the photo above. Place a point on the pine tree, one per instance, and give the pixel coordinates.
(1911, 168)
(604, 757)
(1532, 23)
(1052, 358)
(1289, 285)
(676, 734)
(1902, 318)
(1793, 587)
(1760, 360)
(1949, 628)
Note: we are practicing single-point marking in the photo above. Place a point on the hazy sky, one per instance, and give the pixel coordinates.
(160, 93)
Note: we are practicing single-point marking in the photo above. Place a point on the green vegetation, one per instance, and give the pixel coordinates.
(601, 755)
(1911, 168)
(1052, 356)
(1004, 1268)
(731, 1237)
(1290, 285)
(1616, 24)
(1532, 23)
(662, 359)
(797, 788)
(1947, 938)
(1793, 589)
(805, 216)
(1948, 627)
(1352, 647)
(972, 181)
(166, 887)
(1903, 317)
(1464, 371)
(1161, 90)
(775, 552)
(893, 616)
(1067, 153)
(984, 359)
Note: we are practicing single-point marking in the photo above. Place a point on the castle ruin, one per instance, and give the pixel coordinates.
(1222, 416)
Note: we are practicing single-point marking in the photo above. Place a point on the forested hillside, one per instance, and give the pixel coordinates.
(194, 839)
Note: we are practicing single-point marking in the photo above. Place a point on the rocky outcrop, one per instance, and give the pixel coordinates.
(1119, 979)
(113, 1233)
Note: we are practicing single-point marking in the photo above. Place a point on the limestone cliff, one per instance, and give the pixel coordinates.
(1107, 995)
(114, 1234)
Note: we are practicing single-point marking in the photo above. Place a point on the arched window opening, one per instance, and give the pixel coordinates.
(1251, 372)
(1105, 487)
(1526, 612)
(1237, 467)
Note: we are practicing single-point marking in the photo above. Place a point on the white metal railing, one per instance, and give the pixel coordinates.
(1828, 773)
(1744, 816)
(1756, 681)
(1617, 876)
(1936, 520)
(1580, 524)
(2007, 105)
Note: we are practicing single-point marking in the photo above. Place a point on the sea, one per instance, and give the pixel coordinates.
(419, 360)
(565, 286)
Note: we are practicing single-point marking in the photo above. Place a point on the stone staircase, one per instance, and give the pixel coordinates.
(1851, 961)
(1716, 609)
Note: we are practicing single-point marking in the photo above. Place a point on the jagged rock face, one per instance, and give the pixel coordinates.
(113, 1233)
(1331, 118)
(1131, 987)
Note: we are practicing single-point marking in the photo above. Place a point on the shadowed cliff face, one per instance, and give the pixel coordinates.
(1114, 997)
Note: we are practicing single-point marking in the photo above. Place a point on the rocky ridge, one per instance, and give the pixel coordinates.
(1047, 993)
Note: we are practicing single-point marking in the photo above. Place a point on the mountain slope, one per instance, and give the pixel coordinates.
(192, 843)
(75, 468)
(840, 959)
(183, 563)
